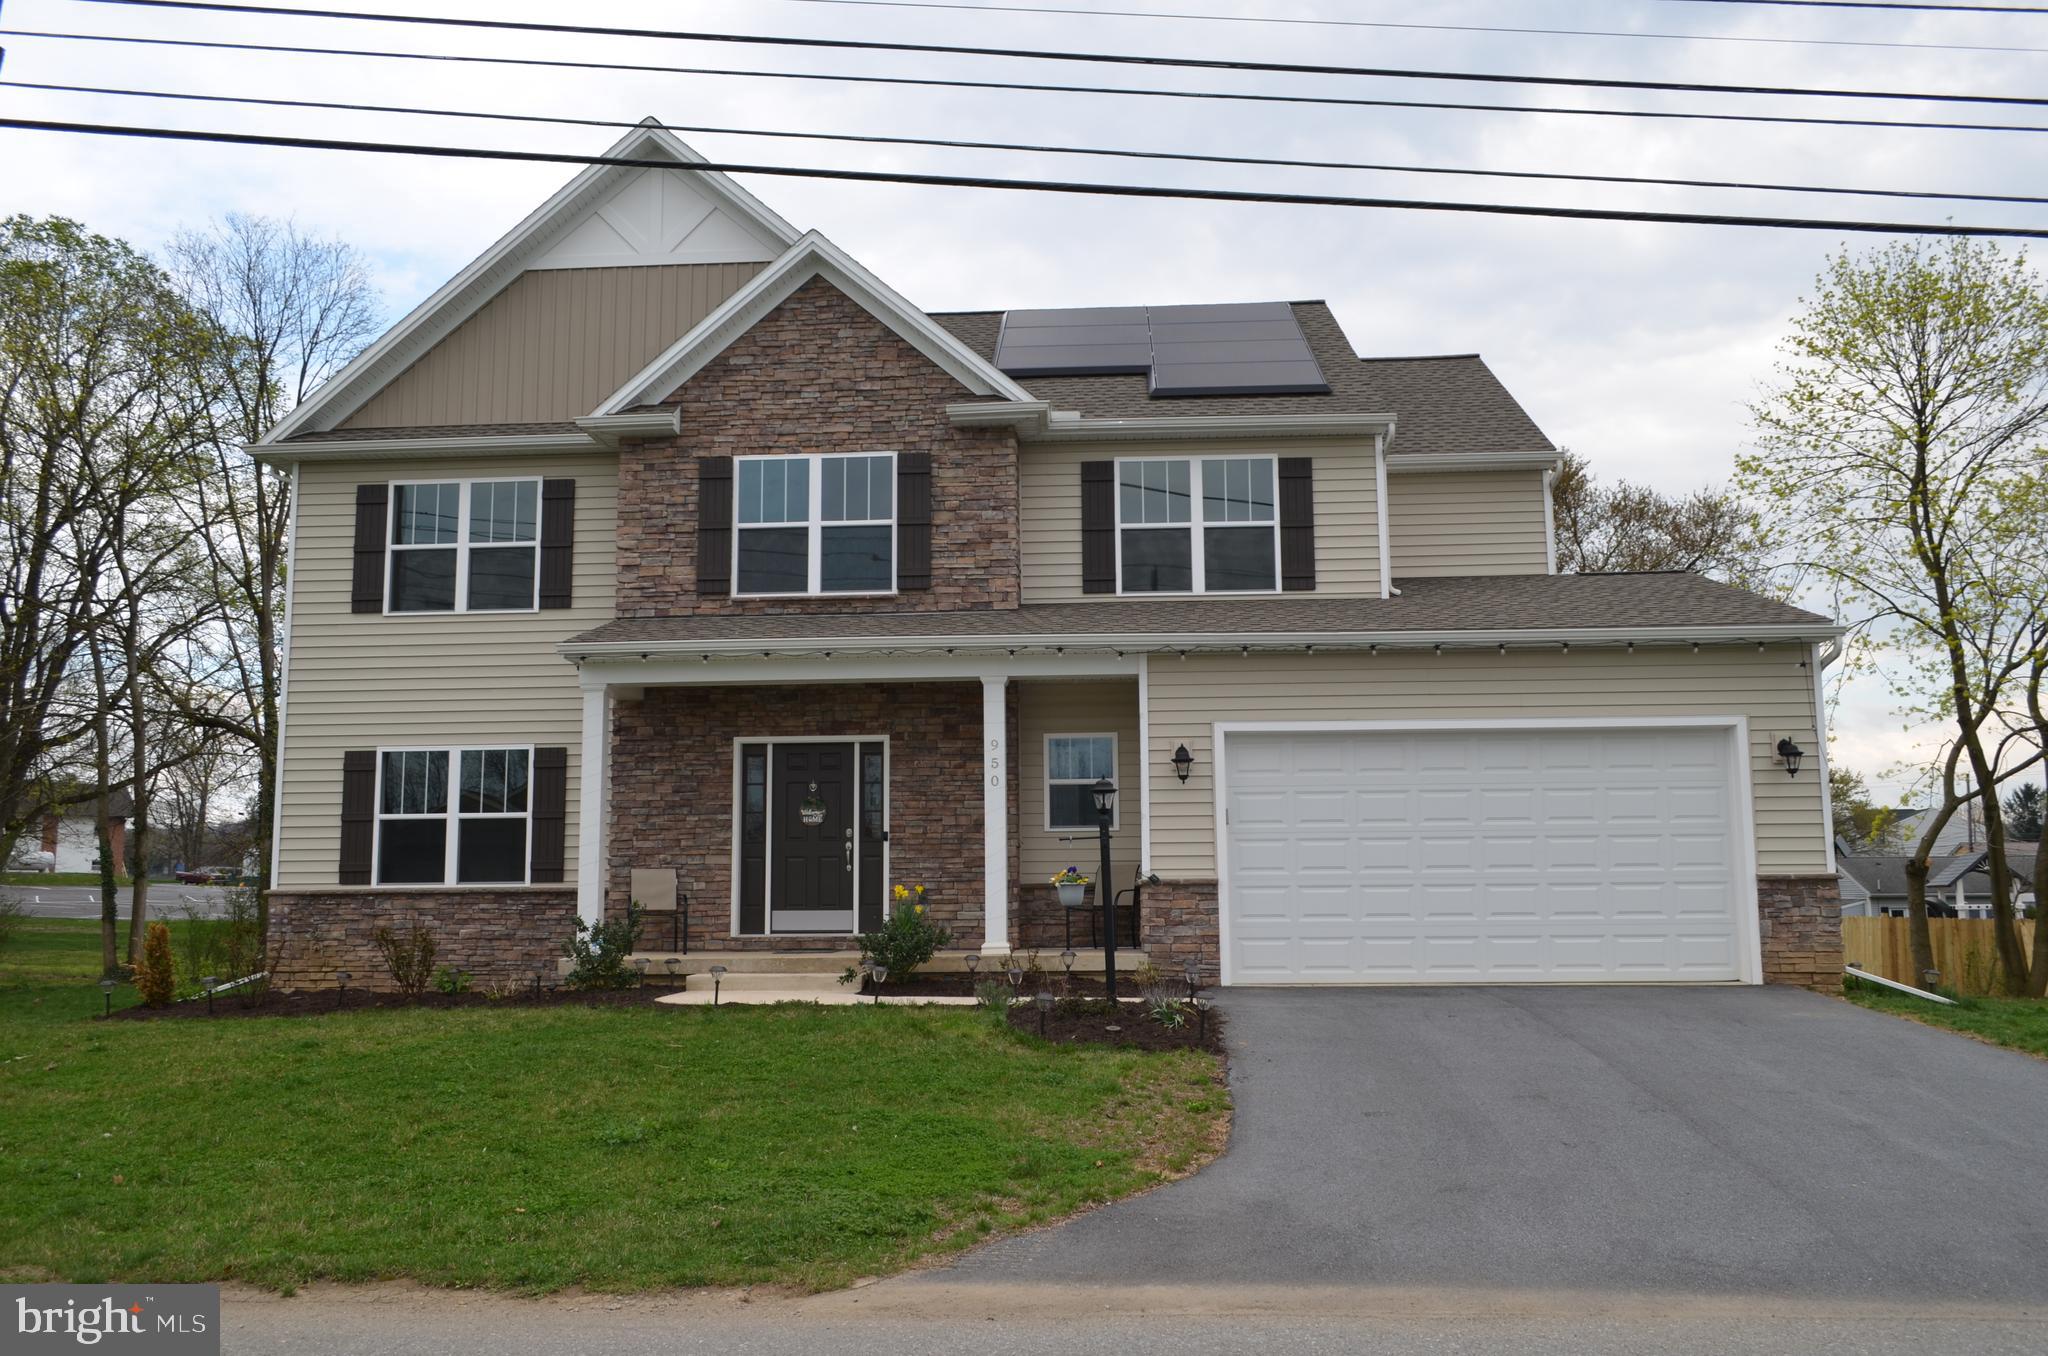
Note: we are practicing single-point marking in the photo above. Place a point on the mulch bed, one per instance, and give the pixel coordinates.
(326, 1002)
(1094, 1021)
(955, 984)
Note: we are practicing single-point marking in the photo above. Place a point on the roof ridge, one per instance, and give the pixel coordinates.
(1416, 357)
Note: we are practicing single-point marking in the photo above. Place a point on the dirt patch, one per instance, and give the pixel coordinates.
(327, 1002)
(1096, 1021)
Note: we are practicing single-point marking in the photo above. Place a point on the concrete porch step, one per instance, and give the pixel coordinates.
(833, 963)
(761, 981)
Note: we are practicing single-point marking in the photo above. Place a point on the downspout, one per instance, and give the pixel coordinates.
(284, 681)
(1549, 522)
(1379, 459)
(1821, 656)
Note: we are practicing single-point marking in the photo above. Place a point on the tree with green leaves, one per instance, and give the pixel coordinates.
(99, 405)
(2023, 814)
(1912, 394)
(1860, 822)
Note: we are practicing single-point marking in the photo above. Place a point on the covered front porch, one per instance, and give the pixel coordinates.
(763, 811)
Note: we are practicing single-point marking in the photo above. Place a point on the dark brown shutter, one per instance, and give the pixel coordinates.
(557, 541)
(914, 520)
(1297, 524)
(366, 592)
(550, 814)
(714, 525)
(1098, 527)
(358, 813)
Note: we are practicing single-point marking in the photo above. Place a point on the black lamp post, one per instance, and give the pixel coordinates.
(1105, 810)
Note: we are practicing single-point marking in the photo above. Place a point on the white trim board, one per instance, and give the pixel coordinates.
(1742, 809)
(490, 272)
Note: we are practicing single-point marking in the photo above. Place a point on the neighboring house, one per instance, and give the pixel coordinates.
(1964, 831)
(69, 840)
(1958, 886)
(666, 537)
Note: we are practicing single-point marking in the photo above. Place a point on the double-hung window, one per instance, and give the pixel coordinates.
(1197, 525)
(464, 546)
(815, 524)
(473, 830)
(1073, 764)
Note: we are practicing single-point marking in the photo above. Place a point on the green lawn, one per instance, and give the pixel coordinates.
(533, 1149)
(2021, 1023)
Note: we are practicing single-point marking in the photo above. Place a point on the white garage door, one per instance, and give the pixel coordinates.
(1490, 856)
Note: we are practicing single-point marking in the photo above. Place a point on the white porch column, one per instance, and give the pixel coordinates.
(590, 804)
(995, 815)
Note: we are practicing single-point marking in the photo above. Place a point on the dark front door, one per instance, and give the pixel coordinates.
(812, 840)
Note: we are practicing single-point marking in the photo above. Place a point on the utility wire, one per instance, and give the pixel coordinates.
(1873, 4)
(1097, 58)
(1026, 185)
(1303, 22)
(930, 82)
(1033, 147)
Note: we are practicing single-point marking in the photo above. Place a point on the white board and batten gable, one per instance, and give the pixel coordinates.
(660, 217)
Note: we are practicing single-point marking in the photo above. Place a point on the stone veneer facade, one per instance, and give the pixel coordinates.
(672, 793)
(1802, 930)
(819, 374)
(498, 936)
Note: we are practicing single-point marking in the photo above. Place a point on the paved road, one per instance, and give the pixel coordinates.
(1436, 1171)
(1713, 1141)
(81, 901)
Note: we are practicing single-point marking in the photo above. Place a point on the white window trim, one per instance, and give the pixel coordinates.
(460, 546)
(1193, 527)
(816, 525)
(452, 816)
(1116, 809)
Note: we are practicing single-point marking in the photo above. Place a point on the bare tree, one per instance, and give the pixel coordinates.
(1626, 527)
(285, 311)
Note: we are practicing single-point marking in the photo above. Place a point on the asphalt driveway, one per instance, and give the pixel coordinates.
(1718, 1141)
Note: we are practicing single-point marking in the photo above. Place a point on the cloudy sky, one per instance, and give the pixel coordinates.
(1634, 344)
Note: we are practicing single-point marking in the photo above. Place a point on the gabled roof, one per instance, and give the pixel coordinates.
(490, 272)
(811, 256)
(1448, 404)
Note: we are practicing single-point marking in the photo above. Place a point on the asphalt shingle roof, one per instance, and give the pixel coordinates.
(1447, 404)
(1473, 603)
(366, 435)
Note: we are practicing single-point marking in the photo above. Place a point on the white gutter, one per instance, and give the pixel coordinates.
(470, 445)
(610, 428)
(1472, 461)
(1063, 426)
(1155, 642)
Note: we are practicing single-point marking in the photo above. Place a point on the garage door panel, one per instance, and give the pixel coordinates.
(1515, 856)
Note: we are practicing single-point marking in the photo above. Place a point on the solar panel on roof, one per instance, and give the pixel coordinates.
(1239, 348)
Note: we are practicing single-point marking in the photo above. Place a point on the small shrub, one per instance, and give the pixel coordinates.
(156, 978)
(1147, 976)
(1035, 977)
(409, 955)
(448, 979)
(994, 996)
(1166, 1005)
(908, 939)
(598, 953)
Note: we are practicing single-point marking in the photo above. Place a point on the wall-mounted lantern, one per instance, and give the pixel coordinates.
(1183, 763)
(1789, 754)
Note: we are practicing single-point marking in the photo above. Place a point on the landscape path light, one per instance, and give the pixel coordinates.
(1044, 1007)
(107, 993)
(717, 974)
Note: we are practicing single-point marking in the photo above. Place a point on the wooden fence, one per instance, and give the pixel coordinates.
(1964, 950)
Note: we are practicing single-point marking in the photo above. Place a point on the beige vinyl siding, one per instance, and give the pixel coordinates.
(552, 345)
(1048, 708)
(1347, 528)
(1188, 696)
(1466, 522)
(365, 681)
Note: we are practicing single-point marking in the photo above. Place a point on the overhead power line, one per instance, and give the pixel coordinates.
(1036, 87)
(1097, 58)
(1303, 21)
(1208, 158)
(1081, 188)
(1873, 4)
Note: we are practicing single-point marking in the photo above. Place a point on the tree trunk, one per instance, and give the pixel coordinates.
(1917, 933)
(110, 895)
(138, 823)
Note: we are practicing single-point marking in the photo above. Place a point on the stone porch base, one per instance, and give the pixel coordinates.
(499, 937)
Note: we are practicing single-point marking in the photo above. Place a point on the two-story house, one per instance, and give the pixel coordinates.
(668, 538)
